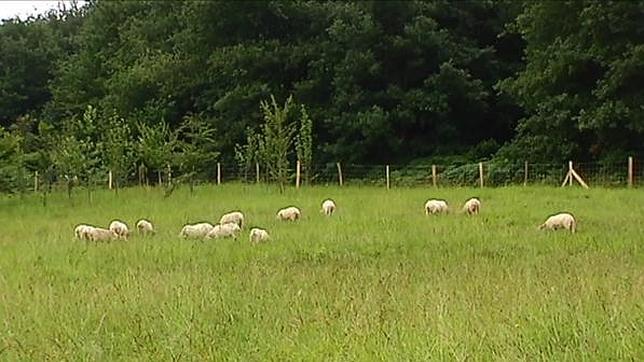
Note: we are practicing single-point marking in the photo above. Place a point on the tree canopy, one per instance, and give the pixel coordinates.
(382, 81)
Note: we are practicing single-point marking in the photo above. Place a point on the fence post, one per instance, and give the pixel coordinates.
(570, 172)
(218, 173)
(339, 172)
(109, 179)
(481, 173)
(525, 173)
(257, 172)
(630, 171)
(36, 181)
(169, 175)
(298, 166)
(434, 175)
(387, 173)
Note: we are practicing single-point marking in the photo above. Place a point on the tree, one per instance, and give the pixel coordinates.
(156, 146)
(304, 144)
(276, 139)
(197, 147)
(119, 149)
(583, 60)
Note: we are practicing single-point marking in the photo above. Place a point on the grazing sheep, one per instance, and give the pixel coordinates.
(472, 206)
(144, 227)
(235, 217)
(224, 231)
(562, 220)
(120, 228)
(258, 235)
(328, 207)
(196, 231)
(433, 206)
(289, 214)
(100, 234)
(81, 231)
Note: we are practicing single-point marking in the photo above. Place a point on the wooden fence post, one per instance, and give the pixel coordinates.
(109, 179)
(339, 172)
(169, 175)
(570, 172)
(387, 173)
(434, 175)
(36, 181)
(630, 171)
(218, 173)
(298, 166)
(525, 173)
(257, 172)
(481, 173)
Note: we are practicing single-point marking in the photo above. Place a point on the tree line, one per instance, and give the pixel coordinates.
(150, 84)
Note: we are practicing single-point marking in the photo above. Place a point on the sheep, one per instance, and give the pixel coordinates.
(145, 227)
(561, 220)
(235, 217)
(434, 206)
(224, 231)
(196, 231)
(100, 234)
(328, 207)
(120, 228)
(81, 231)
(472, 206)
(291, 213)
(258, 235)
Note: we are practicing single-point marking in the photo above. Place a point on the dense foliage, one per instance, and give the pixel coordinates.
(381, 81)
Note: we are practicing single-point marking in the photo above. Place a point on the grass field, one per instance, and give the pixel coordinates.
(377, 281)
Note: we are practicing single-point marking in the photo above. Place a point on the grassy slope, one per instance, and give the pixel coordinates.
(379, 280)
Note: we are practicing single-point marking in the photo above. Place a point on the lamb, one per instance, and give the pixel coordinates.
(196, 231)
(224, 231)
(120, 228)
(291, 213)
(472, 206)
(100, 234)
(145, 227)
(561, 220)
(258, 235)
(235, 217)
(434, 206)
(81, 231)
(328, 207)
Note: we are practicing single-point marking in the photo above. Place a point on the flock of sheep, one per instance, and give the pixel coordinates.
(231, 224)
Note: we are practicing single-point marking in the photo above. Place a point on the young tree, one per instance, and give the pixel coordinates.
(119, 149)
(197, 147)
(277, 138)
(248, 154)
(156, 145)
(304, 144)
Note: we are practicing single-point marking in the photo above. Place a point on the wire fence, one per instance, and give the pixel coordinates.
(629, 173)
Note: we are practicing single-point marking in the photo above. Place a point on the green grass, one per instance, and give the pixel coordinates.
(377, 281)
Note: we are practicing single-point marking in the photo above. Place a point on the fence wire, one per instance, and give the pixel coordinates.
(605, 174)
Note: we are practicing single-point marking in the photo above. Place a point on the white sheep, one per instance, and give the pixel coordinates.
(228, 230)
(100, 234)
(561, 220)
(80, 231)
(328, 207)
(258, 235)
(196, 231)
(434, 206)
(145, 227)
(120, 228)
(291, 213)
(235, 217)
(472, 206)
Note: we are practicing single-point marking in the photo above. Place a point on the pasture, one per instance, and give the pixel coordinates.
(379, 280)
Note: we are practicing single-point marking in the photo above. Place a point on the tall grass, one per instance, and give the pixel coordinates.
(378, 280)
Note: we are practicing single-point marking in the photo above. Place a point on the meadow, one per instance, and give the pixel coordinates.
(377, 281)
